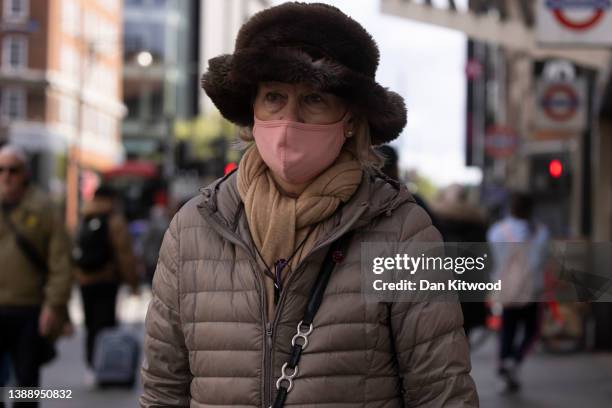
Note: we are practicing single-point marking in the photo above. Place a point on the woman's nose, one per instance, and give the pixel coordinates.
(292, 111)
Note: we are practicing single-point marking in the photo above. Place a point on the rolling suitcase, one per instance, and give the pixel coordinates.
(116, 358)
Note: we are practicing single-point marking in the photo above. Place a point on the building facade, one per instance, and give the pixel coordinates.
(160, 72)
(170, 121)
(565, 168)
(60, 87)
(167, 45)
(221, 21)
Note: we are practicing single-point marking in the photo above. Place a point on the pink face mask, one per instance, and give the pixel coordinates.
(298, 152)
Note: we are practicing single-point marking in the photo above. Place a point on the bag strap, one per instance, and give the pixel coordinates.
(299, 342)
(29, 250)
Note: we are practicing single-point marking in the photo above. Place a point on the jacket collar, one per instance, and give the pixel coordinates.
(221, 203)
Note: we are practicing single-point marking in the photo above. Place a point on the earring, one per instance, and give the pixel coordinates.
(349, 134)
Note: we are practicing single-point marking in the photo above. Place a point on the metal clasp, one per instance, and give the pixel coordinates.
(285, 377)
(302, 334)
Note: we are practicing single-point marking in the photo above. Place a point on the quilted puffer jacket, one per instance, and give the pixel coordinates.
(209, 342)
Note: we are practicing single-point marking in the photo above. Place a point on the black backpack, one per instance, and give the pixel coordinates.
(92, 248)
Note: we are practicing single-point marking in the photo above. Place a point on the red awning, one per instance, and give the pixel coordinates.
(133, 169)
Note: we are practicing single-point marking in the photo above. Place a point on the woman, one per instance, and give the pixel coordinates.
(238, 264)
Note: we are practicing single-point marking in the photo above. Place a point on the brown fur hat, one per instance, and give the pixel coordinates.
(312, 43)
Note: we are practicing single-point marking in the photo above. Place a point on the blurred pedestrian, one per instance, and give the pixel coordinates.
(519, 245)
(390, 168)
(461, 221)
(234, 283)
(153, 237)
(104, 258)
(36, 275)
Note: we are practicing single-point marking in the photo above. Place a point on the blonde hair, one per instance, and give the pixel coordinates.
(360, 144)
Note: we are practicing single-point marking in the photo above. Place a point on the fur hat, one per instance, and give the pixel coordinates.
(312, 43)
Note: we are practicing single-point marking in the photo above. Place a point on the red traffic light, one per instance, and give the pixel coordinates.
(555, 168)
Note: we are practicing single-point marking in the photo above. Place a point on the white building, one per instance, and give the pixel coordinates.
(60, 85)
(220, 22)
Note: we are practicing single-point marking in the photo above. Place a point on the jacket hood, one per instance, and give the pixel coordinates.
(376, 193)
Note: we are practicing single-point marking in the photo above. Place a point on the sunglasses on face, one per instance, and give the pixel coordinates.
(11, 170)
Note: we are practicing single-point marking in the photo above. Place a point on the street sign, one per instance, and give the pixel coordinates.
(587, 22)
(500, 141)
(561, 105)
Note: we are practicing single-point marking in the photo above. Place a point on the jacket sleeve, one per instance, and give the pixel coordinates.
(431, 348)
(60, 277)
(121, 241)
(166, 376)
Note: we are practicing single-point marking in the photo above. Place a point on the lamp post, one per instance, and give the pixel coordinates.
(89, 48)
(144, 59)
(73, 179)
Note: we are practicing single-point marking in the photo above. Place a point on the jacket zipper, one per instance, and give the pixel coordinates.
(281, 301)
(268, 379)
(268, 382)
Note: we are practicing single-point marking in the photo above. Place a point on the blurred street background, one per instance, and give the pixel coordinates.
(502, 96)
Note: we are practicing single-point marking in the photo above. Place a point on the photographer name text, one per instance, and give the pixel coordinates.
(424, 284)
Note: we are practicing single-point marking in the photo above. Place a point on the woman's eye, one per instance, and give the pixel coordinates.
(313, 99)
(273, 97)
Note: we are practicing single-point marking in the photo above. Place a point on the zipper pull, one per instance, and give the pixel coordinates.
(269, 334)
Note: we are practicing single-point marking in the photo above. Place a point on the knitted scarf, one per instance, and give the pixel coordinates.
(279, 223)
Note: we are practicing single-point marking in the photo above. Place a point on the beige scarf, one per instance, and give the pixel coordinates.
(279, 223)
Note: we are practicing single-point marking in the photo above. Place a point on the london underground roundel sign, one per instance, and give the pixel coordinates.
(578, 15)
(500, 141)
(561, 105)
(560, 102)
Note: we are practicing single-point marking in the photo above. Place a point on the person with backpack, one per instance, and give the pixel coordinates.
(35, 274)
(519, 246)
(104, 258)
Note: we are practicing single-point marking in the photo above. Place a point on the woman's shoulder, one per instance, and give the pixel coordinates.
(219, 198)
(402, 213)
(189, 215)
(393, 209)
(413, 222)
